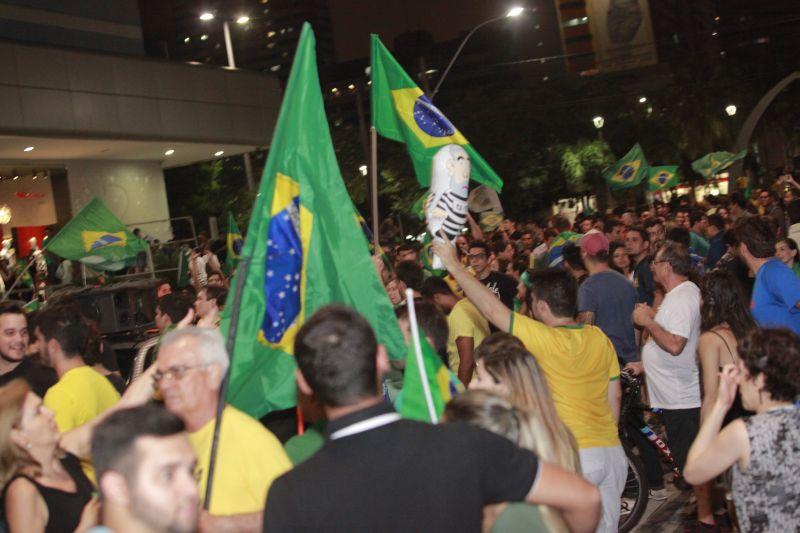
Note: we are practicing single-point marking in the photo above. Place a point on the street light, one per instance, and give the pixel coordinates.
(512, 13)
(226, 30)
(730, 110)
(598, 122)
(363, 170)
(642, 99)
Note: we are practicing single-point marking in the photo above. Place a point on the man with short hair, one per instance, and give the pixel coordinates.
(637, 246)
(377, 472)
(580, 364)
(613, 229)
(191, 366)
(772, 208)
(145, 472)
(502, 286)
(669, 355)
(14, 338)
(171, 309)
(606, 298)
(82, 393)
(466, 327)
(656, 232)
(776, 293)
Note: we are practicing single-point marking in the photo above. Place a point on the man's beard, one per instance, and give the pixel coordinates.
(8, 359)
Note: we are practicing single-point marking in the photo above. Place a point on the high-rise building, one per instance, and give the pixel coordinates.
(263, 33)
(100, 26)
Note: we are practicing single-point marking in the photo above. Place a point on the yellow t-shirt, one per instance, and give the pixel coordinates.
(249, 458)
(578, 362)
(79, 396)
(464, 320)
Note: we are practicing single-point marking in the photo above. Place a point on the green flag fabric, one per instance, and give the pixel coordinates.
(402, 112)
(235, 243)
(443, 385)
(303, 250)
(629, 171)
(184, 277)
(715, 162)
(97, 238)
(661, 178)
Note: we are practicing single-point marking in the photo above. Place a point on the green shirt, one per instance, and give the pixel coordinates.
(301, 447)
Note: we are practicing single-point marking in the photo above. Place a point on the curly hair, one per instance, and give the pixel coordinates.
(776, 354)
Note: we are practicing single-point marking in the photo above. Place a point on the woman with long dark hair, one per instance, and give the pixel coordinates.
(725, 320)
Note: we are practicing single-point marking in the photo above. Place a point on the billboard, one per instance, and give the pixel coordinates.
(622, 34)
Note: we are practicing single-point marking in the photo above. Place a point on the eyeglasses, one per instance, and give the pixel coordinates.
(175, 373)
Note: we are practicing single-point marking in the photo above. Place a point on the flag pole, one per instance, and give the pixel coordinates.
(373, 138)
(19, 278)
(241, 276)
(412, 319)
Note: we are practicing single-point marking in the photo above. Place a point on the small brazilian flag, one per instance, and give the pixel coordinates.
(303, 250)
(235, 243)
(401, 112)
(629, 171)
(661, 178)
(442, 384)
(715, 162)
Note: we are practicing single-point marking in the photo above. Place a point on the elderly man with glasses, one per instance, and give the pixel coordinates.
(191, 366)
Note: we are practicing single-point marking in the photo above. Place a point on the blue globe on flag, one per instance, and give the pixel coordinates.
(430, 120)
(662, 177)
(627, 172)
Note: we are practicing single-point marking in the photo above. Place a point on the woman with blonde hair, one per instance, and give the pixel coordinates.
(505, 368)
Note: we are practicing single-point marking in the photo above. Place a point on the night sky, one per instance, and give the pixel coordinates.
(354, 20)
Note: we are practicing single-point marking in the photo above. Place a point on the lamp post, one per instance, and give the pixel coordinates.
(730, 110)
(512, 13)
(598, 122)
(226, 31)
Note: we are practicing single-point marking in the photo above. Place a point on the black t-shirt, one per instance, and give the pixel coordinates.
(39, 377)
(504, 287)
(401, 476)
(644, 282)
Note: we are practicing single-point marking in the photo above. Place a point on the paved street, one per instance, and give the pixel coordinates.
(664, 516)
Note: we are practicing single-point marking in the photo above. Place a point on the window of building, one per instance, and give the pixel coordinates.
(275, 68)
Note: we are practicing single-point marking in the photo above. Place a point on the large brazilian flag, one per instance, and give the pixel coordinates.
(715, 162)
(304, 249)
(402, 112)
(98, 239)
(629, 171)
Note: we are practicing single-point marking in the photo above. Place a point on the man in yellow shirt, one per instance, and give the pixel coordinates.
(580, 365)
(81, 393)
(191, 366)
(466, 327)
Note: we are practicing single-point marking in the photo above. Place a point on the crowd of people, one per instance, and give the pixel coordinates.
(538, 321)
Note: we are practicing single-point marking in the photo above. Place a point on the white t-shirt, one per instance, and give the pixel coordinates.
(673, 382)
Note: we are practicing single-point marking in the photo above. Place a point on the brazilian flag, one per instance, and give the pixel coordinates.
(97, 238)
(661, 178)
(303, 250)
(715, 162)
(401, 112)
(424, 395)
(629, 171)
(234, 244)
